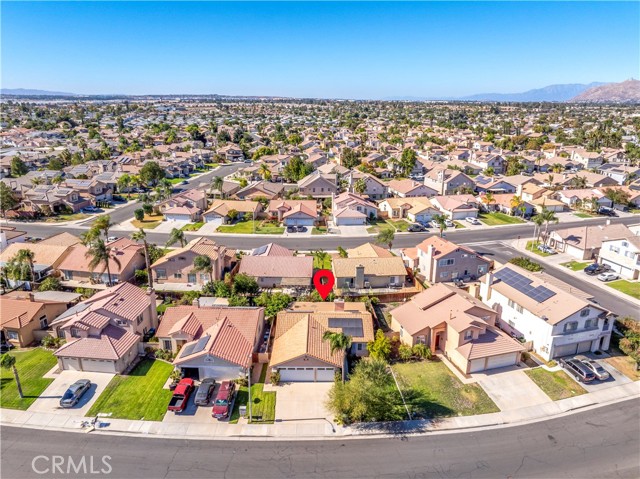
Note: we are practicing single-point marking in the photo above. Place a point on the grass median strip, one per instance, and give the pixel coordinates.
(557, 384)
(495, 219)
(576, 265)
(626, 287)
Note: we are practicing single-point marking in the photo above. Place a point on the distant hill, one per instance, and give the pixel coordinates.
(623, 92)
(28, 92)
(549, 93)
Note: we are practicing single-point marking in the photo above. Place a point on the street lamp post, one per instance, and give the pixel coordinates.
(249, 375)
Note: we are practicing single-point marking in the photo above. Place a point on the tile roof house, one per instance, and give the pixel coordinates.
(260, 189)
(271, 271)
(417, 209)
(218, 212)
(300, 354)
(175, 270)
(370, 275)
(47, 257)
(444, 181)
(458, 325)
(622, 253)
(439, 260)
(213, 341)
(456, 207)
(352, 209)
(185, 206)
(409, 188)
(294, 212)
(104, 331)
(558, 318)
(584, 242)
(22, 315)
(318, 185)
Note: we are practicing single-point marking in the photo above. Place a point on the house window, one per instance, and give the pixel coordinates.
(615, 249)
(444, 274)
(177, 275)
(182, 258)
(139, 319)
(420, 340)
(161, 273)
(446, 262)
(191, 277)
(166, 344)
(584, 313)
(359, 346)
(572, 326)
(12, 335)
(68, 274)
(204, 277)
(75, 333)
(515, 306)
(43, 322)
(589, 323)
(468, 334)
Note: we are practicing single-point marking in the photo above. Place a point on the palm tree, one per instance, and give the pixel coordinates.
(338, 342)
(360, 186)
(99, 253)
(142, 236)
(488, 198)
(9, 362)
(516, 203)
(26, 256)
(175, 236)
(441, 221)
(264, 171)
(538, 221)
(216, 185)
(386, 237)
(124, 182)
(319, 258)
(203, 263)
(102, 225)
(579, 182)
(548, 216)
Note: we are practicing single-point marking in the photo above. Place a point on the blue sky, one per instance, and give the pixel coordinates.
(331, 50)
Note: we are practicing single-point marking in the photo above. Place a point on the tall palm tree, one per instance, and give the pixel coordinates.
(142, 236)
(216, 185)
(203, 263)
(538, 221)
(9, 362)
(488, 198)
(26, 257)
(264, 171)
(360, 186)
(319, 258)
(516, 203)
(175, 236)
(386, 237)
(548, 216)
(103, 224)
(579, 182)
(100, 253)
(338, 342)
(441, 221)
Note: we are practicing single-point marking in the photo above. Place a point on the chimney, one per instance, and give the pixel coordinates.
(360, 276)
(31, 297)
(489, 283)
(338, 304)
(519, 191)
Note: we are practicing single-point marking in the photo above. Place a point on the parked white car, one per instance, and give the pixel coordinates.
(609, 276)
(472, 220)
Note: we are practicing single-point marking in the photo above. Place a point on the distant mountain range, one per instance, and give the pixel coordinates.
(623, 92)
(28, 92)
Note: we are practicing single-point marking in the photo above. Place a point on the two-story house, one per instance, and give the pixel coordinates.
(448, 182)
(352, 209)
(622, 254)
(558, 319)
(362, 276)
(317, 185)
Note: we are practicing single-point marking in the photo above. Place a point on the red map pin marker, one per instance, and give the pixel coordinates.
(323, 280)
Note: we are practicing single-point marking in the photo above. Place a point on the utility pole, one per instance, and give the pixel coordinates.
(249, 375)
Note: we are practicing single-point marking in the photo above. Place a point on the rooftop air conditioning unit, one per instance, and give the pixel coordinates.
(367, 284)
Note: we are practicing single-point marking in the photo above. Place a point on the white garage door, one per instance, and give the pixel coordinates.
(98, 366)
(566, 350)
(325, 374)
(71, 364)
(584, 346)
(297, 374)
(350, 221)
(476, 365)
(219, 374)
(174, 217)
(501, 360)
(214, 220)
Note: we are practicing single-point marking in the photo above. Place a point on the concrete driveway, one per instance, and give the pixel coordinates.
(354, 230)
(167, 226)
(510, 388)
(298, 401)
(193, 413)
(616, 377)
(49, 400)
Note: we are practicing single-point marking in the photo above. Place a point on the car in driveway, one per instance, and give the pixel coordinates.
(112, 238)
(301, 229)
(546, 249)
(415, 228)
(224, 400)
(204, 392)
(472, 220)
(577, 370)
(595, 268)
(75, 392)
(608, 276)
(291, 229)
(89, 209)
(601, 373)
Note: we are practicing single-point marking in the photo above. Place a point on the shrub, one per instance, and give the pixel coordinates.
(552, 364)
(140, 276)
(526, 263)
(422, 351)
(404, 352)
(138, 214)
(50, 284)
(242, 382)
(48, 342)
(164, 354)
(275, 378)
(526, 356)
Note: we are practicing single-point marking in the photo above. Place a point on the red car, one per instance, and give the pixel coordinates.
(224, 400)
(181, 395)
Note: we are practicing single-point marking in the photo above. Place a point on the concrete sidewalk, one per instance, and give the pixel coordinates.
(318, 429)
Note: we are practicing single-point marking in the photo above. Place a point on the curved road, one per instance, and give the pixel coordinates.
(598, 443)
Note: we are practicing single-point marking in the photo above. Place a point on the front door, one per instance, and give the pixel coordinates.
(437, 342)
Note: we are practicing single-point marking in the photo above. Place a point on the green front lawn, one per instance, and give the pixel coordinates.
(31, 366)
(626, 287)
(140, 395)
(583, 215)
(251, 227)
(431, 390)
(263, 404)
(494, 219)
(319, 230)
(399, 225)
(193, 226)
(458, 225)
(325, 264)
(72, 217)
(556, 385)
(532, 246)
(148, 222)
(576, 265)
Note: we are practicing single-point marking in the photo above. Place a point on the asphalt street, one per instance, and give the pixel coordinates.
(503, 253)
(599, 443)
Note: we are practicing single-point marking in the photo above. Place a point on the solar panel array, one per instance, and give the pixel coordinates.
(523, 284)
(349, 326)
(260, 250)
(196, 347)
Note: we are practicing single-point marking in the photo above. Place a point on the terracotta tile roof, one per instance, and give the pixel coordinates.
(346, 267)
(44, 254)
(271, 249)
(275, 267)
(62, 239)
(443, 247)
(130, 252)
(200, 246)
(17, 313)
(222, 207)
(369, 250)
(112, 344)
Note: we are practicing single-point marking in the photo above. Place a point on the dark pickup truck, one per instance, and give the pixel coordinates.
(181, 395)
